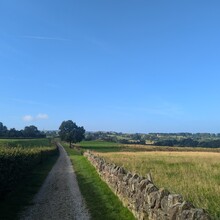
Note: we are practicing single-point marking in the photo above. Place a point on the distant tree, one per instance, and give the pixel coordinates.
(13, 133)
(32, 132)
(136, 136)
(188, 142)
(70, 132)
(28, 132)
(3, 130)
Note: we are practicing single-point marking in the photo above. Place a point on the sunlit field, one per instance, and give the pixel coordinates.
(195, 175)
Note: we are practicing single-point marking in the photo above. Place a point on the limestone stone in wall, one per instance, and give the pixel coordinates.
(142, 197)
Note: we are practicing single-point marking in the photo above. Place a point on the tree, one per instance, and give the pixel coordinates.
(3, 130)
(32, 132)
(13, 133)
(70, 132)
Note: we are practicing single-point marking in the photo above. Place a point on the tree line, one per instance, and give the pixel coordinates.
(189, 142)
(28, 132)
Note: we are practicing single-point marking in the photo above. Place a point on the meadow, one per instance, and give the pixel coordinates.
(194, 173)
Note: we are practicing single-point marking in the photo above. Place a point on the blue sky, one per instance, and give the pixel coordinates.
(128, 65)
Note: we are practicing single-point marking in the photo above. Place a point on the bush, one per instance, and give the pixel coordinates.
(16, 162)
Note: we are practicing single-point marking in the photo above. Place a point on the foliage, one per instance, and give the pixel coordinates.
(25, 143)
(210, 140)
(22, 196)
(186, 142)
(70, 132)
(28, 132)
(16, 160)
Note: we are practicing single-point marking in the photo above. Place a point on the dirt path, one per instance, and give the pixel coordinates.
(59, 197)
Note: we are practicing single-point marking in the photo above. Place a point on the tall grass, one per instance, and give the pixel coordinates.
(195, 175)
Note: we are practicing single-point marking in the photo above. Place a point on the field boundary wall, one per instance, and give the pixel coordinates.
(144, 199)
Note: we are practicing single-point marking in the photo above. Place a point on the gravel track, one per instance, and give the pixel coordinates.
(59, 197)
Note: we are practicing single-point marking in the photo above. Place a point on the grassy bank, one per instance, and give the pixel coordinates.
(100, 200)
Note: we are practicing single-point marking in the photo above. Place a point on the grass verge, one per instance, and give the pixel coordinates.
(17, 200)
(101, 201)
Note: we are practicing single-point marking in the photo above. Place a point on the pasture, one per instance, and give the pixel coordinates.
(192, 172)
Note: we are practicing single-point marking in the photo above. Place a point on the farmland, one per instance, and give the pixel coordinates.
(193, 173)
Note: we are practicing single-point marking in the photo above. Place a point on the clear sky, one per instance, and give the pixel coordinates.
(113, 65)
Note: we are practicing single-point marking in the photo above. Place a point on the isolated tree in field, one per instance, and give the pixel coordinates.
(70, 132)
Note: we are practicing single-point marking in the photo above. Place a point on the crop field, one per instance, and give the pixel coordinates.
(25, 142)
(192, 172)
(18, 157)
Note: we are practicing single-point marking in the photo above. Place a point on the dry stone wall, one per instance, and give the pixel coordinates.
(142, 197)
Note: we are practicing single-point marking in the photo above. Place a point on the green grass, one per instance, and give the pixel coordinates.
(14, 202)
(101, 201)
(101, 146)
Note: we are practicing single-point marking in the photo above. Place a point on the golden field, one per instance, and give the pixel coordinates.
(195, 175)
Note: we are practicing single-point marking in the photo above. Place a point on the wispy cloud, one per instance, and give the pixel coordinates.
(44, 38)
(40, 116)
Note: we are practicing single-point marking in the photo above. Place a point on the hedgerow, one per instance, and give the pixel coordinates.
(17, 162)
